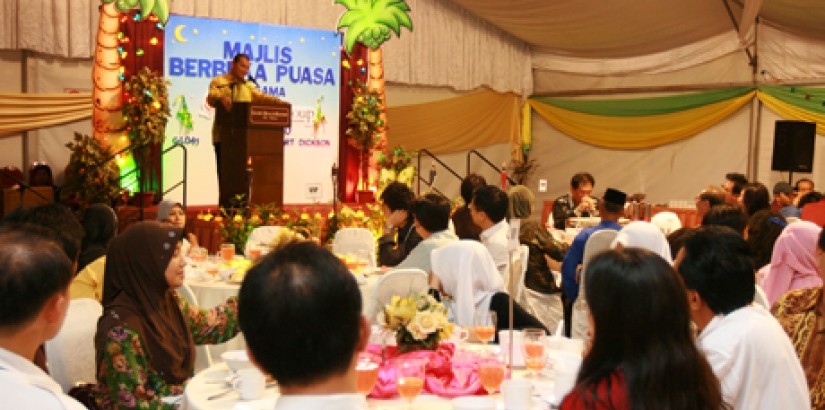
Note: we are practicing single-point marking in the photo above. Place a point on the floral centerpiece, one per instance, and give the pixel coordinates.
(419, 322)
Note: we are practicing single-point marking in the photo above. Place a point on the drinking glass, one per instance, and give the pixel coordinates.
(255, 252)
(366, 373)
(534, 350)
(485, 326)
(491, 373)
(198, 255)
(227, 252)
(410, 378)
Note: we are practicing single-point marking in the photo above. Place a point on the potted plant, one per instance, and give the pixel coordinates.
(91, 176)
(145, 114)
(364, 121)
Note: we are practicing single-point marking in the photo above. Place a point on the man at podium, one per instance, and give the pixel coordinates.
(227, 93)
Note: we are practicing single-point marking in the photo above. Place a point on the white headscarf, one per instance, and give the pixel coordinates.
(468, 274)
(641, 234)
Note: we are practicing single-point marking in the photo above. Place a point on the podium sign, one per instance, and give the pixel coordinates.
(270, 115)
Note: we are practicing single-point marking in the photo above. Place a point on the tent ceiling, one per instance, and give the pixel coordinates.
(628, 28)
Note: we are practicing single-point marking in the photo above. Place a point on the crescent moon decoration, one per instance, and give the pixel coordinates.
(178, 35)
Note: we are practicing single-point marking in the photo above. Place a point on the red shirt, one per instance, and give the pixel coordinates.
(617, 400)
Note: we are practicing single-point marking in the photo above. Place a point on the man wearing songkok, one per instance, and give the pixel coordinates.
(34, 298)
(300, 312)
(488, 209)
(611, 208)
(578, 202)
(747, 349)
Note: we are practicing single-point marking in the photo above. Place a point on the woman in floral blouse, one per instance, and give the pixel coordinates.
(801, 313)
(146, 337)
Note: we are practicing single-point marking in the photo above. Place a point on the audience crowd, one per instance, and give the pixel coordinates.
(726, 315)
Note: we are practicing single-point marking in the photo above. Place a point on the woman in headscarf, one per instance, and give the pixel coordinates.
(801, 313)
(146, 336)
(173, 213)
(793, 262)
(465, 272)
(546, 253)
(99, 227)
(645, 235)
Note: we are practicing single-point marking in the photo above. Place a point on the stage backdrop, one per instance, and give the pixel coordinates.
(299, 65)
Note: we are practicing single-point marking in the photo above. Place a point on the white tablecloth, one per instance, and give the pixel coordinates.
(212, 293)
(210, 382)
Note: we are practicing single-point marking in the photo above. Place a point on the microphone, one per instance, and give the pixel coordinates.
(334, 170)
(432, 174)
(253, 80)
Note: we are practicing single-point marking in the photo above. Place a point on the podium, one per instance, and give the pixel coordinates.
(252, 151)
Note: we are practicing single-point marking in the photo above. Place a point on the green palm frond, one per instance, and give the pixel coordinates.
(370, 21)
(159, 7)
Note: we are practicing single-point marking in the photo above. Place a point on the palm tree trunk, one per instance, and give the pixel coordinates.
(106, 116)
(376, 83)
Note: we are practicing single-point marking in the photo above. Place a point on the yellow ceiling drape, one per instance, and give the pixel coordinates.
(23, 112)
(637, 132)
(792, 112)
(458, 124)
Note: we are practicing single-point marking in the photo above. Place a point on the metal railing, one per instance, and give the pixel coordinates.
(431, 181)
(472, 152)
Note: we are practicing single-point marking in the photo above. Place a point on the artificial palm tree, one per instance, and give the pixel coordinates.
(107, 117)
(372, 22)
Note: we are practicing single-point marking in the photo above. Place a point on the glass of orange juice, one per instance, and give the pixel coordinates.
(534, 350)
(490, 373)
(227, 252)
(484, 326)
(366, 373)
(410, 377)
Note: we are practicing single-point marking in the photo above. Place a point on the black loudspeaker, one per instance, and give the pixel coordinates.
(793, 146)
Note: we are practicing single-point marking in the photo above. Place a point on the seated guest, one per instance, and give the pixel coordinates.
(546, 253)
(667, 222)
(99, 227)
(754, 197)
(300, 312)
(645, 235)
(431, 216)
(783, 200)
(808, 198)
(763, 228)
(465, 228)
(464, 272)
(731, 216)
(488, 208)
(611, 209)
(34, 281)
(793, 261)
(746, 347)
(173, 213)
(800, 313)
(707, 198)
(145, 339)
(734, 182)
(399, 236)
(801, 188)
(642, 355)
(578, 202)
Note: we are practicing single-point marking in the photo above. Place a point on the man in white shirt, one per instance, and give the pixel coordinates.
(34, 297)
(488, 209)
(300, 311)
(748, 350)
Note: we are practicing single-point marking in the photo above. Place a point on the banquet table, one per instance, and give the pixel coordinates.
(212, 381)
(210, 293)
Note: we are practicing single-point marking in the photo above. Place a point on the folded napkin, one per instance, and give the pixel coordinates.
(440, 378)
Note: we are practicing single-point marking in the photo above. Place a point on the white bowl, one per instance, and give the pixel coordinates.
(237, 360)
(473, 403)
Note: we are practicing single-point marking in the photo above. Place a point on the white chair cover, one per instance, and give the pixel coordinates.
(203, 357)
(262, 236)
(397, 282)
(355, 240)
(519, 270)
(71, 353)
(469, 275)
(761, 299)
(597, 242)
(667, 222)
